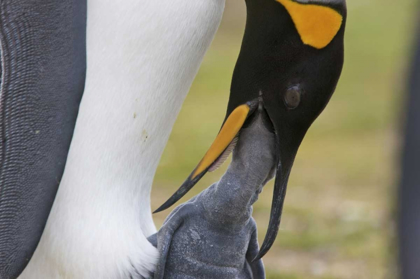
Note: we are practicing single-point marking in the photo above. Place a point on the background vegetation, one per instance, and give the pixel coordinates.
(338, 220)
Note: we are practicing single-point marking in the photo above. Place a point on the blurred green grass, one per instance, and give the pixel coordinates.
(338, 219)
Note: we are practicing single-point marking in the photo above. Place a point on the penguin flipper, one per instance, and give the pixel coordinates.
(43, 62)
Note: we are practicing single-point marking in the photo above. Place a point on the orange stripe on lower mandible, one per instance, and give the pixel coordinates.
(228, 132)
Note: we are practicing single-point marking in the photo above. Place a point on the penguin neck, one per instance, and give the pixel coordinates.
(229, 202)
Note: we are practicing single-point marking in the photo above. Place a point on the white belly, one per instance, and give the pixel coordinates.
(142, 58)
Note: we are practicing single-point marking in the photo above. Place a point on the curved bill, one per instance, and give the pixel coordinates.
(279, 195)
(287, 145)
(228, 132)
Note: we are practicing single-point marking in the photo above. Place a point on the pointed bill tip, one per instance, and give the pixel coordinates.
(185, 187)
(279, 194)
(227, 134)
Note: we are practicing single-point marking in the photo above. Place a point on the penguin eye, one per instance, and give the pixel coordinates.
(292, 97)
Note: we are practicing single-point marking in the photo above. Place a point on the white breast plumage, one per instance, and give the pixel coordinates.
(142, 57)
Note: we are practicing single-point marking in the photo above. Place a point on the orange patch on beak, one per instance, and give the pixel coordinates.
(228, 132)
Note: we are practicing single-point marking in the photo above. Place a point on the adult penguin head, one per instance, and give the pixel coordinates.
(290, 62)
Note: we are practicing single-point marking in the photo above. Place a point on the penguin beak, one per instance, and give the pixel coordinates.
(226, 136)
(287, 144)
(288, 139)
